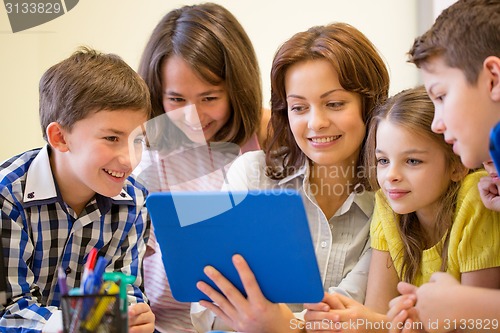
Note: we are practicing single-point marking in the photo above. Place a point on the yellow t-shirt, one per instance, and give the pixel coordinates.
(474, 239)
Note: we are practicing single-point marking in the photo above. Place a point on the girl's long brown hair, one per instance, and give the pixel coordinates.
(413, 110)
(213, 42)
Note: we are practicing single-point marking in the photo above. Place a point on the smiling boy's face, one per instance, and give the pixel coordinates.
(464, 113)
(100, 153)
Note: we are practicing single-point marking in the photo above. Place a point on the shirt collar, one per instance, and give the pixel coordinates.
(362, 198)
(41, 187)
(302, 171)
(365, 200)
(40, 183)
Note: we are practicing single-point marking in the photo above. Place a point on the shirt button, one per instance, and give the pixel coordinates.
(323, 244)
(67, 270)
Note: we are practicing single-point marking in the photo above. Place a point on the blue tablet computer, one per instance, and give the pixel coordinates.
(268, 228)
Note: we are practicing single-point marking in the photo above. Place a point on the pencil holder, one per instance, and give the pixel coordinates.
(93, 313)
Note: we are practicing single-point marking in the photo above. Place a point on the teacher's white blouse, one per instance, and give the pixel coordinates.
(342, 244)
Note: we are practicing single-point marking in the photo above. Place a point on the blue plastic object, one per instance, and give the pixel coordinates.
(495, 145)
(268, 228)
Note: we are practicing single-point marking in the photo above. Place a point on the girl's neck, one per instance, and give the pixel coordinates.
(428, 225)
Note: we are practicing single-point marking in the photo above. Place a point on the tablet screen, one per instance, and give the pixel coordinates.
(269, 229)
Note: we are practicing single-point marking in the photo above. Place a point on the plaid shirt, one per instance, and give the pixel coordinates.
(40, 233)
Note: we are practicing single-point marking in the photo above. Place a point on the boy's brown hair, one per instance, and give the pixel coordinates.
(464, 35)
(86, 82)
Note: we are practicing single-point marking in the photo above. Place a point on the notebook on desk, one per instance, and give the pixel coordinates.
(268, 228)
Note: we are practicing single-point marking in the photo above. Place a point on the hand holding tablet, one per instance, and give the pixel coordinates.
(269, 229)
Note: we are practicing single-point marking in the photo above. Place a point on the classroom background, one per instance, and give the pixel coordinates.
(123, 27)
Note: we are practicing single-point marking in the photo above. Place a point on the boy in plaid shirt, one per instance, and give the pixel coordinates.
(75, 194)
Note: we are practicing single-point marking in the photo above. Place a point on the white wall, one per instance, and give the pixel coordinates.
(123, 26)
(439, 5)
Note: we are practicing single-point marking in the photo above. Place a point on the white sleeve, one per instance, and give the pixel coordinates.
(355, 282)
(246, 172)
(205, 320)
(201, 318)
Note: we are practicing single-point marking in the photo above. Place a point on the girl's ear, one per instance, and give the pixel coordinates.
(492, 65)
(56, 137)
(459, 171)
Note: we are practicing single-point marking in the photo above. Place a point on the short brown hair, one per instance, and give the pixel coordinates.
(86, 82)
(212, 41)
(360, 69)
(464, 35)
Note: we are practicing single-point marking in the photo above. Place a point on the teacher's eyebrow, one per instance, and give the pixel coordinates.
(321, 96)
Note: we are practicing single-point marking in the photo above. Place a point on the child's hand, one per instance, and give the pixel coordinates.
(435, 300)
(140, 318)
(489, 192)
(330, 301)
(345, 315)
(403, 315)
(489, 187)
(318, 315)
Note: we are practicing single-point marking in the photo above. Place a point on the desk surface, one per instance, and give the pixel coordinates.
(55, 324)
